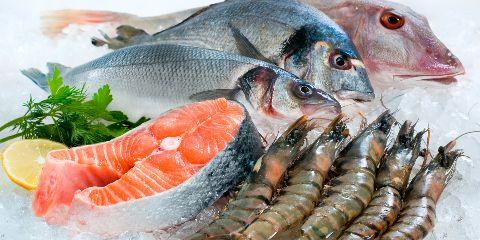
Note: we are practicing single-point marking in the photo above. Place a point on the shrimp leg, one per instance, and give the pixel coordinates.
(302, 192)
(391, 182)
(418, 214)
(257, 193)
(352, 189)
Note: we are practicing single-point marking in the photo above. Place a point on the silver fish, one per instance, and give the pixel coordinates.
(404, 48)
(150, 79)
(294, 36)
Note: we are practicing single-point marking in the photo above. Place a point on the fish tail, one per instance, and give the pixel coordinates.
(53, 22)
(37, 77)
(41, 79)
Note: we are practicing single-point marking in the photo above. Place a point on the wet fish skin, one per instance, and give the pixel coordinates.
(150, 79)
(412, 51)
(287, 35)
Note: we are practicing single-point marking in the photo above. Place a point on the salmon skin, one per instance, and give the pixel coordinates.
(150, 79)
(300, 39)
(156, 176)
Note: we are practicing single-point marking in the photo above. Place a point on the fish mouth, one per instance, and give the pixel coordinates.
(448, 78)
(357, 96)
(325, 111)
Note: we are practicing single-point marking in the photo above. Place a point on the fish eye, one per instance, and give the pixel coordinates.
(340, 61)
(391, 20)
(303, 90)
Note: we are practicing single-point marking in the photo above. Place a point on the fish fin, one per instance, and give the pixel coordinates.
(126, 36)
(61, 68)
(37, 77)
(214, 94)
(245, 47)
(53, 22)
(41, 79)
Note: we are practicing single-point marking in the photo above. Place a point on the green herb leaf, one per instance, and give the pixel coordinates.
(102, 98)
(55, 81)
(67, 116)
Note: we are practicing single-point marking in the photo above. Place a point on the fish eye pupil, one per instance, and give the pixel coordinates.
(305, 90)
(340, 61)
(393, 20)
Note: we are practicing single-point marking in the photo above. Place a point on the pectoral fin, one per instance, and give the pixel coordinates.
(245, 47)
(214, 94)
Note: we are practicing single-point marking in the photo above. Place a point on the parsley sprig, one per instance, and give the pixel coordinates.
(67, 116)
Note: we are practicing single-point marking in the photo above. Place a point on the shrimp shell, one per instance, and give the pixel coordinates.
(302, 192)
(256, 194)
(417, 217)
(391, 182)
(351, 191)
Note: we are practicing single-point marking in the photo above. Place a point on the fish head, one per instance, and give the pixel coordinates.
(282, 95)
(394, 41)
(328, 59)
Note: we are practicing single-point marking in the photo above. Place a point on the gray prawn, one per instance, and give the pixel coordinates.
(417, 217)
(352, 189)
(306, 177)
(391, 183)
(256, 194)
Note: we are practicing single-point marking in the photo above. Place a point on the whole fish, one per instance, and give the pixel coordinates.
(393, 40)
(292, 35)
(150, 79)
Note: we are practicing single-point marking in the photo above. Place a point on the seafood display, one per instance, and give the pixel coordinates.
(192, 155)
(151, 79)
(417, 217)
(257, 192)
(391, 182)
(305, 183)
(402, 46)
(222, 122)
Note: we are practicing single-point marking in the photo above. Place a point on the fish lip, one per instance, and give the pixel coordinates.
(327, 111)
(440, 78)
(357, 96)
(431, 77)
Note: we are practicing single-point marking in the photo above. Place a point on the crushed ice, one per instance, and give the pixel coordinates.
(447, 110)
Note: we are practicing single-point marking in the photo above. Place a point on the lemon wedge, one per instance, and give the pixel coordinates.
(23, 160)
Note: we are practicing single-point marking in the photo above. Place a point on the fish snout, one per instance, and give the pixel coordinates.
(324, 104)
(441, 63)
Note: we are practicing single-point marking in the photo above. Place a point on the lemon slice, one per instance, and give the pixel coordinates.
(23, 160)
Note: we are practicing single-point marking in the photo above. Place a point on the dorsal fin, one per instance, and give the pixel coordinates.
(245, 47)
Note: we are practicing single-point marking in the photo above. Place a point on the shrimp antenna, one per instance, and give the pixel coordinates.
(452, 143)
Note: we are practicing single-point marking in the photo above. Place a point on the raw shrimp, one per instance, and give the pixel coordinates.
(352, 189)
(305, 182)
(391, 182)
(417, 217)
(256, 194)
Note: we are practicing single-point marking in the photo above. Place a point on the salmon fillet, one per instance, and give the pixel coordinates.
(149, 160)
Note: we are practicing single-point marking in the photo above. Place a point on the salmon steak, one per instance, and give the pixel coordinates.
(155, 176)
